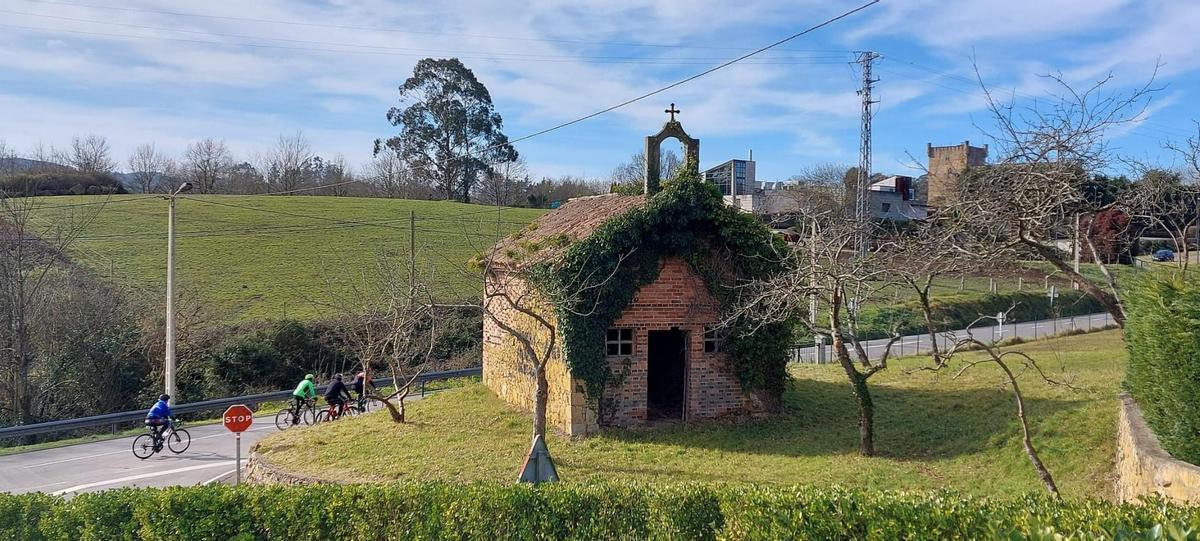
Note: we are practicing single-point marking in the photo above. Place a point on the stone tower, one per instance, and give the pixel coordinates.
(946, 163)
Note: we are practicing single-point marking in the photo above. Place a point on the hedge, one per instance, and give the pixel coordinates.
(573, 511)
(1162, 334)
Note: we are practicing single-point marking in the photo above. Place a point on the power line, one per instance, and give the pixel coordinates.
(688, 79)
(405, 31)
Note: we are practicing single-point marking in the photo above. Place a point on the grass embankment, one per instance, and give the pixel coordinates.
(278, 259)
(933, 431)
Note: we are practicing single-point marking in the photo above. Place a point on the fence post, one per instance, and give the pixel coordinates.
(1020, 283)
(992, 285)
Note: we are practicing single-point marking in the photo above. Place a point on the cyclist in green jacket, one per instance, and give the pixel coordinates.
(304, 391)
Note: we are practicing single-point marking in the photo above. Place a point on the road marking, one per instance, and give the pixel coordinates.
(85, 457)
(126, 479)
(215, 479)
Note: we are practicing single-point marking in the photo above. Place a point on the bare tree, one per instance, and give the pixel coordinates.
(91, 154)
(33, 245)
(389, 176)
(1037, 190)
(207, 162)
(8, 160)
(1162, 200)
(822, 268)
(390, 320)
(504, 184)
(148, 166)
(633, 172)
(289, 162)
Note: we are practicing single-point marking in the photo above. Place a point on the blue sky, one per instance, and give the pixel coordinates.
(247, 72)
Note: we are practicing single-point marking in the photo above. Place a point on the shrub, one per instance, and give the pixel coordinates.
(574, 511)
(1163, 338)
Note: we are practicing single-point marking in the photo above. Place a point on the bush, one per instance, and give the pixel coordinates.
(1163, 338)
(572, 511)
(61, 183)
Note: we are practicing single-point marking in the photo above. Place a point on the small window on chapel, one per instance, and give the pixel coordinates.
(619, 342)
(714, 340)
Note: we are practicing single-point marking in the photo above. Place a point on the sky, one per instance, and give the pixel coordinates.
(246, 72)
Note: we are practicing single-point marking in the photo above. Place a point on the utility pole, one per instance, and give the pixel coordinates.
(412, 252)
(169, 362)
(861, 213)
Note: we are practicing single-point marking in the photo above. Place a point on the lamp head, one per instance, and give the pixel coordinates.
(185, 187)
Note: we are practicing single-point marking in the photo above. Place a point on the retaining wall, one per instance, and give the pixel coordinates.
(1144, 468)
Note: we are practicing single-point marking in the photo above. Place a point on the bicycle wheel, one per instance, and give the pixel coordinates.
(179, 441)
(283, 419)
(322, 416)
(308, 416)
(352, 411)
(143, 446)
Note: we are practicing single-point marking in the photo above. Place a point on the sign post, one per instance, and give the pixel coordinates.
(237, 419)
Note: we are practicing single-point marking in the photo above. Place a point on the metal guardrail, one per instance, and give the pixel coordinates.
(206, 405)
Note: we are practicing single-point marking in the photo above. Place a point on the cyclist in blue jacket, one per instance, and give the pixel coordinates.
(159, 417)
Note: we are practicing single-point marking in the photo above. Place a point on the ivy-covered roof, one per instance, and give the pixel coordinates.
(574, 220)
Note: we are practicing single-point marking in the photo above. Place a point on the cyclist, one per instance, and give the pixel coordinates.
(304, 391)
(359, 385)
(337, 395)
(159, 417)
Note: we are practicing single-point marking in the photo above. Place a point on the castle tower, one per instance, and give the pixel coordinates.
(946, 163)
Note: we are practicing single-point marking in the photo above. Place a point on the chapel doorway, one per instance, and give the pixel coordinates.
(666, 374)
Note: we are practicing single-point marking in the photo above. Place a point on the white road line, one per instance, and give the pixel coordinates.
(72, 459)
(214, 479)
(86, 486)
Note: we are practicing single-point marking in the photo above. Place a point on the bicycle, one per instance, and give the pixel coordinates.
(176, 439)
(289, 416)
(331, 413)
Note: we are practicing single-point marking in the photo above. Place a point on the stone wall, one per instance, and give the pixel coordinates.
(259, 471)
(507, 375)
(1144, 468)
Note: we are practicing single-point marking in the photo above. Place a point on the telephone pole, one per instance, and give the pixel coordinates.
(861, 213)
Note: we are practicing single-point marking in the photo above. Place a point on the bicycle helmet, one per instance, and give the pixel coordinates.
(337, 377)
(309, 377)
(164, 397)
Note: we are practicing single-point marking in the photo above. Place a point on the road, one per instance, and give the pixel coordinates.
(911, 345)
(89, 467)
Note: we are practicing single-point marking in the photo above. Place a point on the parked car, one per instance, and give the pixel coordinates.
(1163, 255)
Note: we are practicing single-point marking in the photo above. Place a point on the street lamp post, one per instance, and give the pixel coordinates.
(169, 364)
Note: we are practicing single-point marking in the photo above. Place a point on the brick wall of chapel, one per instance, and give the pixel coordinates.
(677, 299)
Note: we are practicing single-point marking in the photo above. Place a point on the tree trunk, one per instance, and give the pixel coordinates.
(1112, 305)
(541, 397)
(1026, 438)
(866, 407)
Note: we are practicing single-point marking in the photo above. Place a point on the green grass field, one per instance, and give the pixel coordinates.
(933, 431)
(265, 257)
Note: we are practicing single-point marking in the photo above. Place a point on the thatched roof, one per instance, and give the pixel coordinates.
(574, 220)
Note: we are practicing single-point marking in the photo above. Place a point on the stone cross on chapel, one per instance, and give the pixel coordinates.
(691, 151)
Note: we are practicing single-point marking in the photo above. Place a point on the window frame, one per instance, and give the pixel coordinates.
(714, 340)
(622, 341)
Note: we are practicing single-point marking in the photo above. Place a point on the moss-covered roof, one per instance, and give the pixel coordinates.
(557, 229)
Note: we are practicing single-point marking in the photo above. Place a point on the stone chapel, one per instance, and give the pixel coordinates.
(666, 341)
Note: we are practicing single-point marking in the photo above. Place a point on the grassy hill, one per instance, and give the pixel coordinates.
(265, 257)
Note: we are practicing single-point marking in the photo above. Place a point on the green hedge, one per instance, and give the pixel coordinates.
(1163, 338)
(571, 511)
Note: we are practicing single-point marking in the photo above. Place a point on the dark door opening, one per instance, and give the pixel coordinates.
(665, 377)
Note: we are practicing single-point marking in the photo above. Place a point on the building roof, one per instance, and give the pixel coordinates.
(574, 220)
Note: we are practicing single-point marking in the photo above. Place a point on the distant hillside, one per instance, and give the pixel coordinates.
(21, 165)
(263, 257)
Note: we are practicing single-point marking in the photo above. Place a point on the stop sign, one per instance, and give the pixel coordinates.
(238, 418)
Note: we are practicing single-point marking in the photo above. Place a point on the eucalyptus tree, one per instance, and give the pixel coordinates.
(450, 133)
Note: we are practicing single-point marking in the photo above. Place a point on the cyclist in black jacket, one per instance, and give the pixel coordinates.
(337, 394)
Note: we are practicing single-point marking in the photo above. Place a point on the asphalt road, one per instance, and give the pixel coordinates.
(912, 345)
(89, 467)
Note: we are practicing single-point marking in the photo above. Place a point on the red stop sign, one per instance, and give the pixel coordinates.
(238, 418)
